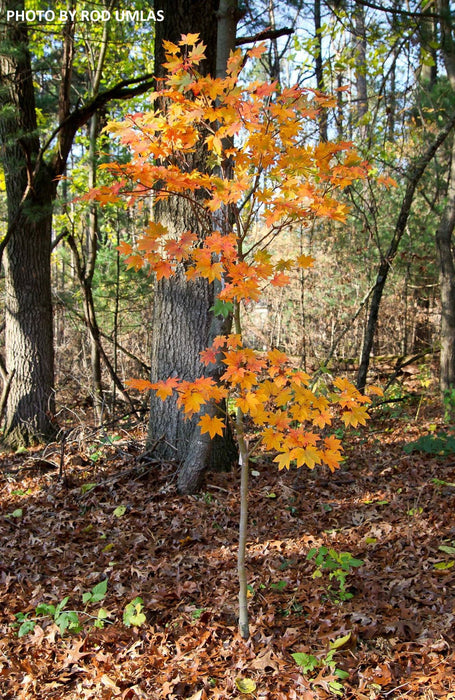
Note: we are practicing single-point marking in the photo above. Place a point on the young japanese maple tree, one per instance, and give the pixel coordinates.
(263, 174)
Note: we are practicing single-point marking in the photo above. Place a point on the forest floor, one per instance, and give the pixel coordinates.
(112, 515)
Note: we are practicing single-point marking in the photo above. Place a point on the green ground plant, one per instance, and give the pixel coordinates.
(339, 566)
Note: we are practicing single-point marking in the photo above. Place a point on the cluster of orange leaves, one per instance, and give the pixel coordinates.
(275, 174)
(276, 398)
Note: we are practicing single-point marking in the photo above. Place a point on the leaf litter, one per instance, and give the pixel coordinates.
(170, 566)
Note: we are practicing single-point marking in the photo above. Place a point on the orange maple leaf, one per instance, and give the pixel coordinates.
(248, 403)
(305, 261)
(164, 388)
(204, 266)
(212, 426)
(322, 418)
(162, 268)
(332, 459)
(280, 280)
(140, 384)
(332, 443)
(192, 402)
(356, 415)
(257, 51)
(208, 356)
(387, 181)
(124, 248)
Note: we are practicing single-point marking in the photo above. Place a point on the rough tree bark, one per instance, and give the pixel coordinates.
(28, 307)
(31, 187)
(182, 324)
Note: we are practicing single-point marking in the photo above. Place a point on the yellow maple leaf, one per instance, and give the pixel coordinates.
(308, 455)
(169, 47)
(213, 426)
(189, 39)
(305, 261)
(249, 402)
(271, 439)
(284, 460)
(284, 396)
(376, 390)
(355, 415)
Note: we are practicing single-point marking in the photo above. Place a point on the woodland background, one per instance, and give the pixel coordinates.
(378, 306)
(398, 101)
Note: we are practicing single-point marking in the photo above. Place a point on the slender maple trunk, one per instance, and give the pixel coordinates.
(243, 528)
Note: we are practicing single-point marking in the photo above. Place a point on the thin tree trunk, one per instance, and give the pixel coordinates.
(444, 248)
(444, 242)
(91, 321)
(92, 247)
(318, 65)
(361, 65)
(416, 172)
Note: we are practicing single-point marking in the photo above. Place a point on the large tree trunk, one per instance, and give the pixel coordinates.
(31, 185)
(29, 333)
(182, 324)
